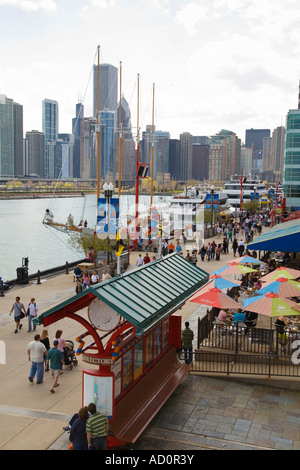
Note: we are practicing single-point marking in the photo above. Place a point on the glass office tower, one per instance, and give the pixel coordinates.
(291, 169)
(50, 127)
(6, 136)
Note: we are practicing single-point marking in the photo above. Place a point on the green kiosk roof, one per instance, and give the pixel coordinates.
(145, 295)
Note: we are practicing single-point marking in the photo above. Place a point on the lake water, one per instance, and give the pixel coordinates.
(22, 233)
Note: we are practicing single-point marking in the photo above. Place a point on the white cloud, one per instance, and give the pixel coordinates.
(31, 5)
(191, 14)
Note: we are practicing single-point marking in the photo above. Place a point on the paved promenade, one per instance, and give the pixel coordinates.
(203, 413)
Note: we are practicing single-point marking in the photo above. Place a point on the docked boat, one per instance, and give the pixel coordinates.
(247, 190)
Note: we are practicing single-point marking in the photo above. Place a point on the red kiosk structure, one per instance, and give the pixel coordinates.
(131, 333)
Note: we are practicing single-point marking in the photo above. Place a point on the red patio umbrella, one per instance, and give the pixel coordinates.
(215, 298)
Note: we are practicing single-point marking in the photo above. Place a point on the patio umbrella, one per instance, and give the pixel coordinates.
(233, 269)
(223, 282)
(219, 282)
(271, 305)
(281, 286)
(216, 298)
(247, 260)
(281, 272)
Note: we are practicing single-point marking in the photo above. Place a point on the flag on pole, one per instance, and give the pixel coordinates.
(119, 245)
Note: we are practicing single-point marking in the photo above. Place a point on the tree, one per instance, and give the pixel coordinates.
(86, 242)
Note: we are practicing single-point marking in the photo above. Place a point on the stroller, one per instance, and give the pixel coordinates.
(69, 356)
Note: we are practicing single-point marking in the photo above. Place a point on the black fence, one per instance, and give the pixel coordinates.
(245, 339)
(245, 364)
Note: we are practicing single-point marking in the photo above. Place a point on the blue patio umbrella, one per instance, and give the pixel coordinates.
(247, 260)
(223, 282)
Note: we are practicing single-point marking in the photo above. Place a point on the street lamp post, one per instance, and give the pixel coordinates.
(212, 188)
(108, 192)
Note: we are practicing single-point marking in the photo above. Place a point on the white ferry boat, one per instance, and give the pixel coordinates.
(251, 189)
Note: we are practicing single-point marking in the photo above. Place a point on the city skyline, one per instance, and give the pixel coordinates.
(216, 65)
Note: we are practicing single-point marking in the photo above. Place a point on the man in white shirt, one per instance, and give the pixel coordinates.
(32, 311)
(36, 354)
(105, 276)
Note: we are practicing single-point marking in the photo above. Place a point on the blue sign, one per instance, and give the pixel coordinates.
(208, 201)
(107, 218)
(216, 203)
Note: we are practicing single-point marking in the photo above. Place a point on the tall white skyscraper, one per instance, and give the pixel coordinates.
(50, 126)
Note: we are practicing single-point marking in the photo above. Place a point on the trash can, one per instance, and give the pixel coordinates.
(22, 275)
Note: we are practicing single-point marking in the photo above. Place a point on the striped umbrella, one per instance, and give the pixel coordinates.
(219, 282)
(223, 282)
(234, 269)
(281, 286)
(281, 272)
(216, 298)
(248, 260)
(271, 305)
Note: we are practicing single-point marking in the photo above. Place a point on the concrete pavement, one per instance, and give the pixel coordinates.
(204, 412)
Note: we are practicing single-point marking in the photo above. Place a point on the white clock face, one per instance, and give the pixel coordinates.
(102, 316)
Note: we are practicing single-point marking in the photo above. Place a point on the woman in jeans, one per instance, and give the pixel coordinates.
(78, 430)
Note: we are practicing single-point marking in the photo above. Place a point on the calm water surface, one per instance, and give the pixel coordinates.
(22, 233)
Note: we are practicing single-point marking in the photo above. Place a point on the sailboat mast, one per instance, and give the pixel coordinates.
(152, 150)
(98, 128)
(137, 164)
(120, 135)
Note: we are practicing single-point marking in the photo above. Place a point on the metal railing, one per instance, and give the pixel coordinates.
(245, 364)
(243, 339)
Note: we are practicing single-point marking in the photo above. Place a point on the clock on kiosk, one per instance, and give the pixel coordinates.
(102, 316)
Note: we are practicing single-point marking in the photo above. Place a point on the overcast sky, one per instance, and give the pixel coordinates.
(216, 64)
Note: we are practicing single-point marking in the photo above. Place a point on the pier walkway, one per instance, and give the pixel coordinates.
(203, 413)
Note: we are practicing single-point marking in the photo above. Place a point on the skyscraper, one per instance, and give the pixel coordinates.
(224, 153)
(18, 140)
(108, 88)
(291, 170)
(107, 143)
(35, 153)
(50, 127)
(76, 130)
(11, 137)
(186, 156)
(254, 139)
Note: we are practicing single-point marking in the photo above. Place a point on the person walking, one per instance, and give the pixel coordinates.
(61, 346)
(78, 430)
(36, 354)
(187, 336)
(32, 311)
(96, 429)
(45, 341)
(19, 313)
(54, 356)
(86, 280)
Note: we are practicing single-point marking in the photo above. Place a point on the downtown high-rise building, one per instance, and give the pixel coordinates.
(50, 129)
(11, 137)
(108, 88)
(254, 139)
(76, 131)
(224, 152)
(35, 153)
(291, 169)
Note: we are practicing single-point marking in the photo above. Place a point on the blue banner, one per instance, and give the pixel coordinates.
(107, 218)
(216, 203)
(208, 201)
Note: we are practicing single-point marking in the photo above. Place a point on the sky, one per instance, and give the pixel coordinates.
(216, 64)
